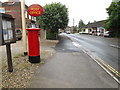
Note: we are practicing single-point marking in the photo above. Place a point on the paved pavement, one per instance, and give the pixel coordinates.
(21, 75)
(17, 48)
(71, 70)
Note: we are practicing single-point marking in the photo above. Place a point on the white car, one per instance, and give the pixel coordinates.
(99, 34)
(68, 32)
(108, 34)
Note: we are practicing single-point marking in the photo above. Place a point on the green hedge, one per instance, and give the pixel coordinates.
(51, 36)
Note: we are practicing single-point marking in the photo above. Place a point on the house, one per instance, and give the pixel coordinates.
(95, 28)
(13, 7)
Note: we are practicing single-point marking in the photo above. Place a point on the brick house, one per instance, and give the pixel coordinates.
(13, 7)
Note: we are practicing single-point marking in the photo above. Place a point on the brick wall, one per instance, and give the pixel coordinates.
(15, 11)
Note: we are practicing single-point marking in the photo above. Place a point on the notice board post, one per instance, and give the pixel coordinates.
(7, 35)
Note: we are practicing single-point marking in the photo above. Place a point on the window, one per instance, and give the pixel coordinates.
(90, 30)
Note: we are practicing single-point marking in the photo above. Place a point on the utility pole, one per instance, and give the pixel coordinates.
(73, 24)
(24, 26)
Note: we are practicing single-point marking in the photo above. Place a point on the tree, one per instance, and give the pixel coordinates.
(81, 24)
(55, 17)
(113, 22)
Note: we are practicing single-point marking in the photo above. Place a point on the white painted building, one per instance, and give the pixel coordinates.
(96, 28)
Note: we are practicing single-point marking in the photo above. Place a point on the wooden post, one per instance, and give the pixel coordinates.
(9, 57)
(24, 26)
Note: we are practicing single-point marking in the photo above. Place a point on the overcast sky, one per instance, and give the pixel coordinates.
(87, 10)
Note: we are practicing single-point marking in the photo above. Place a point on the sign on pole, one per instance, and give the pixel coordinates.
(35, 10)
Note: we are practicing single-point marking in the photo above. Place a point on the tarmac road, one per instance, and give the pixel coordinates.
(70, 67)
(105, 48)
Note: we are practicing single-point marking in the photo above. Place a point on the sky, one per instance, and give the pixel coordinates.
(86, 10)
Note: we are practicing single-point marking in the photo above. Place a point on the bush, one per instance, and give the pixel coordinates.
(51, 36)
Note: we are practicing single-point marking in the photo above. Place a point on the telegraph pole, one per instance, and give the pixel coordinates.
(24, 26)
(73, 24)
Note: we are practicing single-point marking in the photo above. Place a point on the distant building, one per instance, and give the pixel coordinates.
(94, 28)
(13, 7)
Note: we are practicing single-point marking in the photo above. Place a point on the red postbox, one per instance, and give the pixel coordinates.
(33, 45)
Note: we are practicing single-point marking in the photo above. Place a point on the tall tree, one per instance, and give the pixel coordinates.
(81, 24)
(113, 21)
(55, 17)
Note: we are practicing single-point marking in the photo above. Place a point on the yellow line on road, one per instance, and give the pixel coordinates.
(110, 68)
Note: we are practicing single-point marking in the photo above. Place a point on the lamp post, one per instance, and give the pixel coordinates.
(24, 26)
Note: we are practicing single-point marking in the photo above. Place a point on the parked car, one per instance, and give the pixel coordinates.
(68, 32)
(18, 34)
(100, 33)
(108, 34)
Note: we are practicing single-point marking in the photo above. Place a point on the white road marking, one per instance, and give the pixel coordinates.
(115, 46)
(76, 44)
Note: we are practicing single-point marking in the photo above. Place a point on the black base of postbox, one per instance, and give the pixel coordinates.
(34, 59)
